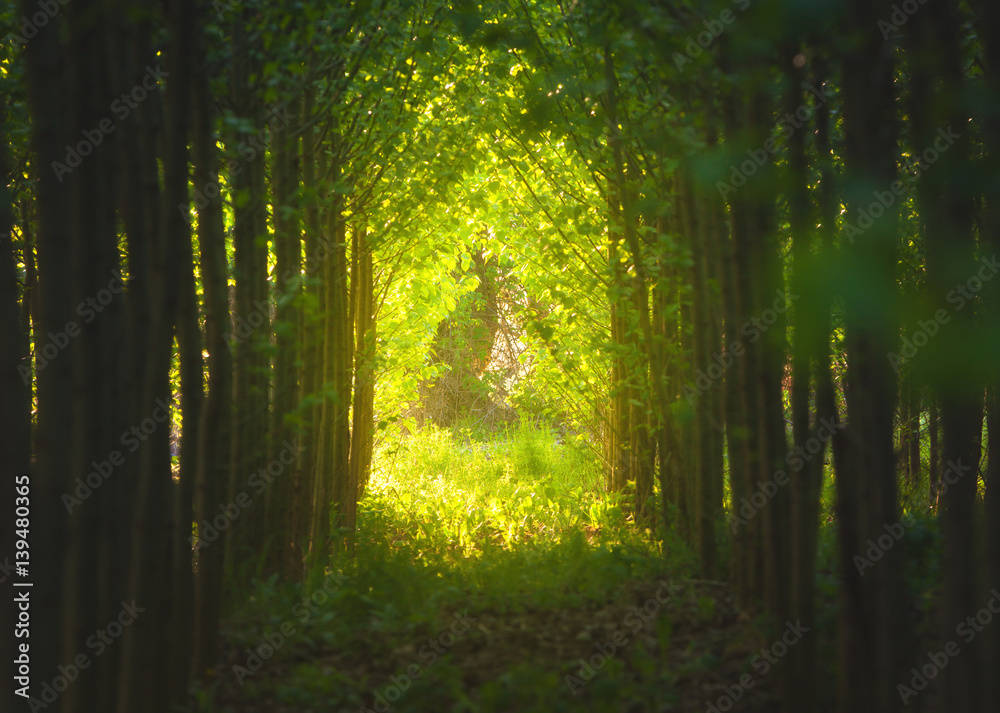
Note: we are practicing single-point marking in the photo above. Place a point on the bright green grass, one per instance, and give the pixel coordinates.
(521, 515)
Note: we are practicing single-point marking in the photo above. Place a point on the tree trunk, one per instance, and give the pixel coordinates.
(989, 28)
(809, 354)
(252, 313)
(215, 437)
(664, 329)
(362, 428)
(288, 275)
(934, 450)
(947, 209)
(874, 630)
(176, 212)
(317, 250)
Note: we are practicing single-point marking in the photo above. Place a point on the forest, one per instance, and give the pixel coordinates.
(493, 356)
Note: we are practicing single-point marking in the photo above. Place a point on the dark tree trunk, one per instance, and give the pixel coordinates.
(153, 267)
(664, 330)
(989, 28)
(705, 479)
(946, 209)
(874, 631)
(252, 310)
(53, 123)
(176, 212)
(78, 552)
(809, 359)
(215, 437)
(746, 524)
(317, 251)
(288, 275)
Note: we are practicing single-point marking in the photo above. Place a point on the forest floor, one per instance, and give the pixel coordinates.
(629, 652)
(499, 577)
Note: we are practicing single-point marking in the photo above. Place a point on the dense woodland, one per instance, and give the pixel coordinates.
(398, 311)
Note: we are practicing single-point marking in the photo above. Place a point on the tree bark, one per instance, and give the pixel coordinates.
(875, 633)
(215, 437)
(288, 276)
(176, 212)
(363, 417)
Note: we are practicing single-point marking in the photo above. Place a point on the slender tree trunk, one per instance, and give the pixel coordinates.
(684, 456)
(619, 226)
(154, 315)
(317, 250)
(913, 441)
(344, 493)
(252, 313)
(288, 276)
(362, 434)
(812, 380)
(215, 438)
(934, 450)
(705, 481)
(715, 227)
(176, 212)
(769, 319)
(617, 448)
(663, 328)
(29, 304)
(746, 524)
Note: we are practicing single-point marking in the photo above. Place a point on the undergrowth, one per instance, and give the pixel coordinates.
(517, 518)
(450, 522)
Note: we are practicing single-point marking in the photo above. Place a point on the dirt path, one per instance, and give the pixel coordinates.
(655, 646)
